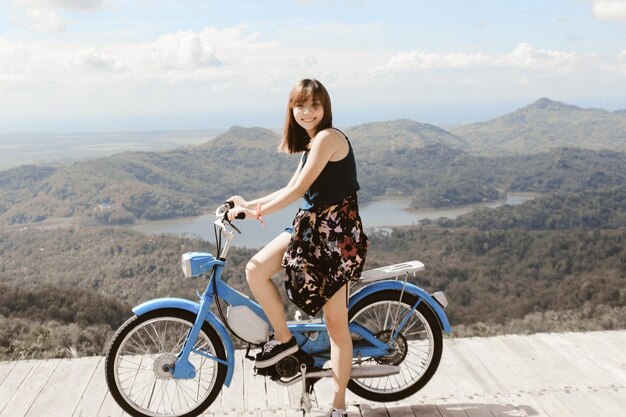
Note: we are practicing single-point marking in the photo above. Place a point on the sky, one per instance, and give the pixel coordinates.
(141, 65)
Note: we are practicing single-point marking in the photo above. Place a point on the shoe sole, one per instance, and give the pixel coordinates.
(271, 361)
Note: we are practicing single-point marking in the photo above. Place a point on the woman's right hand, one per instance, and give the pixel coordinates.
(238, 200)
(248, 214)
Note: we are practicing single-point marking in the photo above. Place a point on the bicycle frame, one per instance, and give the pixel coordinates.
(311, 335)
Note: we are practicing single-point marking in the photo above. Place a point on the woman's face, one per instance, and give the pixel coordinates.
(308, 114)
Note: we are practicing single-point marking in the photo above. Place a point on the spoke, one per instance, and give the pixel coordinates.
(178, 346)
(155, 341)
(131, 344)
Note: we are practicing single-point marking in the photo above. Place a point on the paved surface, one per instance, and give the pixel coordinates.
(551, 375)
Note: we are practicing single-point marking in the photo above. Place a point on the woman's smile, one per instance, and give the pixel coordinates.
(308, 114)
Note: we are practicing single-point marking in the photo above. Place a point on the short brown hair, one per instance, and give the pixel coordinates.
(295, 138)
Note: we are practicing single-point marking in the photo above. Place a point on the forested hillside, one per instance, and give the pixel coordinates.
(552, 264)
(184, 182)
(545, 125)
(514, 273)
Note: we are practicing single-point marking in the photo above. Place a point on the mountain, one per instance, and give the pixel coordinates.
(545, 125)
(401, 134)
(149, 185)
(394, 158)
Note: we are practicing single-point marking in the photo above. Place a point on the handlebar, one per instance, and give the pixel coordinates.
(221, 214)
(222, 211)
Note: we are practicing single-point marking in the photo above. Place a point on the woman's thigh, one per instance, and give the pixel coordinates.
(268, 260)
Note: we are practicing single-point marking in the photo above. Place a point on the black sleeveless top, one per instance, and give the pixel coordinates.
(336, 182)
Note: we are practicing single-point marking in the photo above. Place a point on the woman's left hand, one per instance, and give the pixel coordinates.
(232, 213)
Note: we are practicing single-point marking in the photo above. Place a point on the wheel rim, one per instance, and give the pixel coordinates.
(144, 366)
(415, 345)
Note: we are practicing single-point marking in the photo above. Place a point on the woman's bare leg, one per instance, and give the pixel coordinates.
(336, 318)
(259, 272)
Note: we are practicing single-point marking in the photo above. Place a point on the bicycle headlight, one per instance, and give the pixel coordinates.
(196, 263)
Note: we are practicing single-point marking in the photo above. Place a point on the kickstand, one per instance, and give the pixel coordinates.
(307, 390)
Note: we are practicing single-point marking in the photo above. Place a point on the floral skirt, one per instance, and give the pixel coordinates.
(327, 250)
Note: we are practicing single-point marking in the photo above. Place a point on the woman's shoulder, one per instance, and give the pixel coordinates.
(331, 134)
(334, 140)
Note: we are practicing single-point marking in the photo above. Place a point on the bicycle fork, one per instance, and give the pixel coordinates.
(183, 369)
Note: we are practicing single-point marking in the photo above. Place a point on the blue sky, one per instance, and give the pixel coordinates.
(97, 65)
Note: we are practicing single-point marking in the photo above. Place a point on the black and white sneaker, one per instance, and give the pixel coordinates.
(337, 412)
(273, 351)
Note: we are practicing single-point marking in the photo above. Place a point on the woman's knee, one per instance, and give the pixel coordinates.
(336, 323)
(254, 272)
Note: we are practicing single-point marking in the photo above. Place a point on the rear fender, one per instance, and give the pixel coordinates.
(182, 304)
(409, 288)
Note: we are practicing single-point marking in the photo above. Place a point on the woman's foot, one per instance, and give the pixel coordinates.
(273, 351)
(338, 412)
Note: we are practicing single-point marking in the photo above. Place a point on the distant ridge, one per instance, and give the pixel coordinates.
(403, 133)
(545, 125)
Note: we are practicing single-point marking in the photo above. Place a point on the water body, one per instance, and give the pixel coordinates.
(380, 214)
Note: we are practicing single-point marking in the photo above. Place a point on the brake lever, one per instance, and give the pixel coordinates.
(225, 219)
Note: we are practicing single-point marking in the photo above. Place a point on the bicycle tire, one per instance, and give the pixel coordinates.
(210, 341)
(432, 339)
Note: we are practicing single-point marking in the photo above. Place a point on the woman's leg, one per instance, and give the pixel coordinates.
(259, 272)
(336, 318)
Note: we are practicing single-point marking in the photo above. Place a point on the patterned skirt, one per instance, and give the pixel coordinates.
(327, 249)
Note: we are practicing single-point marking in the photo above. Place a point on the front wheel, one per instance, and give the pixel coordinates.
(140, 360)
(416, 349)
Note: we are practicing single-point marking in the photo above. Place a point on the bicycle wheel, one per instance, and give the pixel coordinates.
(417, 348)
(139, 366)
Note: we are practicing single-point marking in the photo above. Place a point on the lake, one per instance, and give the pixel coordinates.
(379, 214)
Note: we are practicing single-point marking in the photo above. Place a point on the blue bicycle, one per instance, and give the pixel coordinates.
(174, 355)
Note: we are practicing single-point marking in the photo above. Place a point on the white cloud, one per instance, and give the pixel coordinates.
(44, 20)
(610, 10)
(43, 15)
(89, 59)
(526, 56)
(60, 4)
(422, 60)
(182, 51)
(234, 70)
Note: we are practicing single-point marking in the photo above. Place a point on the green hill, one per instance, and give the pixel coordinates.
(401, 134)
(394, 158)
(71, 287)
(545, 125)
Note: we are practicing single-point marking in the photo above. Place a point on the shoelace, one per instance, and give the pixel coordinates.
(267, 348)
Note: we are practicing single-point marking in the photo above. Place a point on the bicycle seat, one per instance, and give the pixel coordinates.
(391, 271)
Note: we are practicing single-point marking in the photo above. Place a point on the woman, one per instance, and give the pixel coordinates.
(325, 248)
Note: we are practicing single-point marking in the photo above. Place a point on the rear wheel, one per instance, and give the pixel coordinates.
(140, 365)
(416, 349)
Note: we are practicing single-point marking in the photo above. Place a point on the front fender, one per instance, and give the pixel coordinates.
(182, 304)
(410, 288)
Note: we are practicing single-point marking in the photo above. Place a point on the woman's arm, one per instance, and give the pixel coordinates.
(263, 200)
(240, 201)
(324, 146)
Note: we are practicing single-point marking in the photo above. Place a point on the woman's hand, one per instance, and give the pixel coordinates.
(250, 214)
(238, 200)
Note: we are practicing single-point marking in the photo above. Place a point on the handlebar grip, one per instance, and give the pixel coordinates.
(241, 216)
(231, 204)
